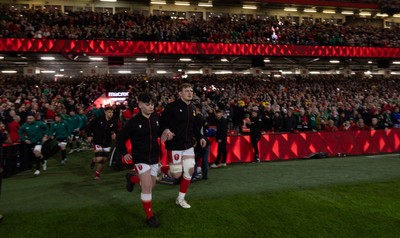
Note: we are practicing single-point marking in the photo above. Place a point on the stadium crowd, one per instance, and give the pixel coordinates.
(54, 24)
(315, 103)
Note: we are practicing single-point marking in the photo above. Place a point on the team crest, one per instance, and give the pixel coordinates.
(140, 126)
(140, 167)
(176, 157)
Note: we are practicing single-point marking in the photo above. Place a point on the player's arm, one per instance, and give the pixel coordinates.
(165, 123)
(21, 133)
(197, 133)
(91, 126)
(45, 130)
(125, 134)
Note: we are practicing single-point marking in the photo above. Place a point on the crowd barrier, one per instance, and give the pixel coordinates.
(285, 146)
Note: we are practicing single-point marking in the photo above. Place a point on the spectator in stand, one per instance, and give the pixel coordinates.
(346, 126)
(330, 127)
(126, 114)
(238, 115)
(289, 121)
(302, 124)
(376, 124)
(246, 124)
(386, 119)
(373, 93)
(365, 115)
(396, 117)
(360, 126)
(222, 29)
(50, 114)
(13, 128)
(211, 118)
(23, 113)
(221, 138)
(313, 119)
(268, 121)
(278, 121)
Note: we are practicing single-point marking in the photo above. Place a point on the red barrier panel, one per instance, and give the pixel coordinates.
(132, 48)
(287, 146)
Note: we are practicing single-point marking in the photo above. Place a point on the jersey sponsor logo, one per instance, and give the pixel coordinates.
(140, 126)
(176, 156)
(180, 110)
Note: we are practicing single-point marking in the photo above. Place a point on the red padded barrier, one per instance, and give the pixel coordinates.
(298, 145)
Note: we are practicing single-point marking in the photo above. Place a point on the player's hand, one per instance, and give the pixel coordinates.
(113, 136)
(89, 139)
(127, 158)
(203, 142)
(28, 142)
(167, 135)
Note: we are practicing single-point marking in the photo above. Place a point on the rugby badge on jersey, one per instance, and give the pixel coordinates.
(176, 157)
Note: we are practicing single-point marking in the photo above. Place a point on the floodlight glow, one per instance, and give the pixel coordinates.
(124, 71)
(96, 58)
(9, 71)
(47, 58)
(250, 7)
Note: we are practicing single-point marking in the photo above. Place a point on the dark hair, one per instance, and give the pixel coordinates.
(108, 109)
(184, 85)
(146, 98)
(218, 111)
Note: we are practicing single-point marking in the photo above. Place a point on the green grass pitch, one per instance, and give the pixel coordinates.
(356, 196)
